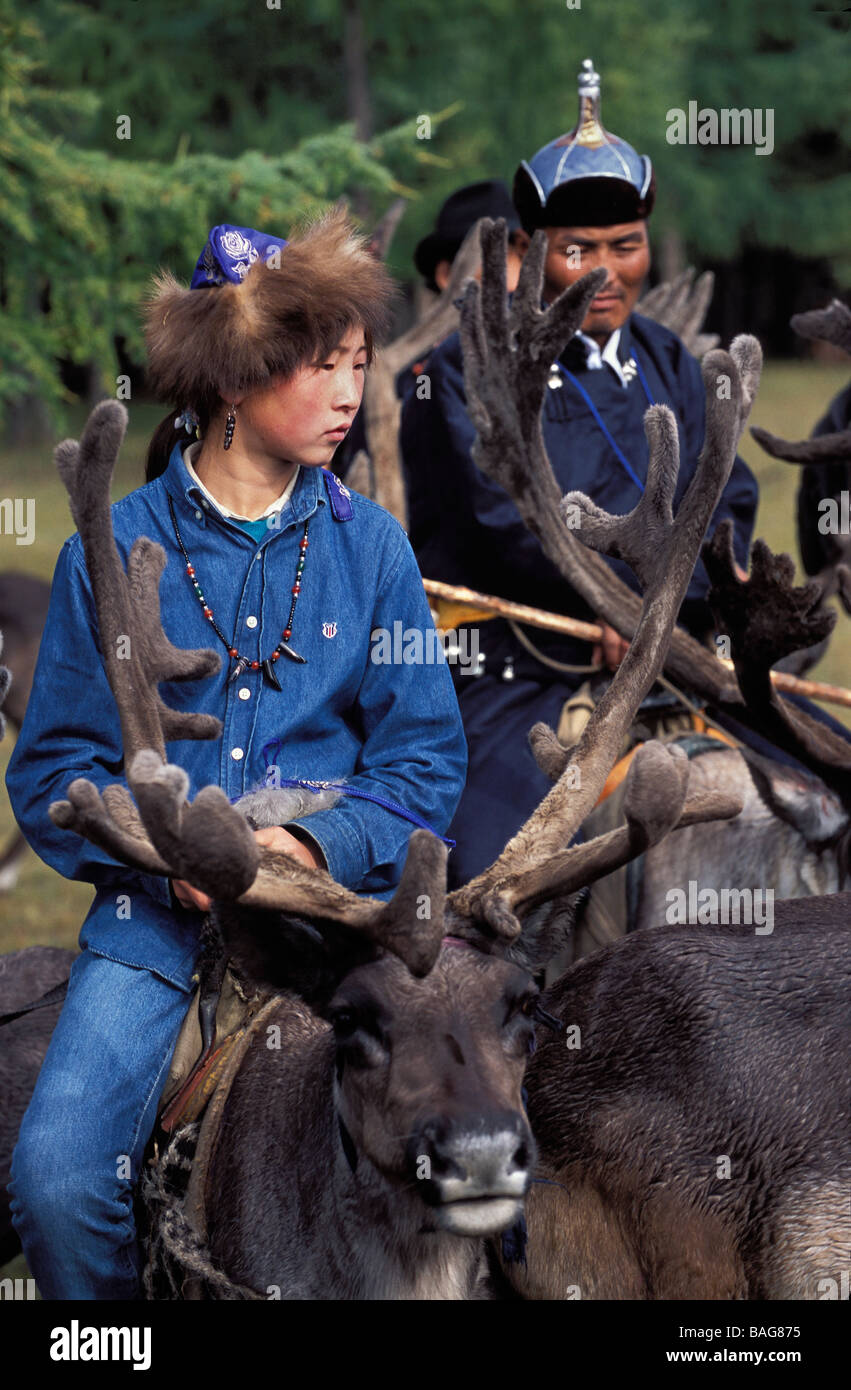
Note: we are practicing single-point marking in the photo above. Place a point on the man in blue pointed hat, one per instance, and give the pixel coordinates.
(592, 194)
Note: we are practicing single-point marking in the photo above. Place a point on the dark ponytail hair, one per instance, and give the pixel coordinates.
(164, 438)
(167, 434)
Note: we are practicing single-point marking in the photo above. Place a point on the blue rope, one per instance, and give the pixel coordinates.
(317, 787)
(618, 452)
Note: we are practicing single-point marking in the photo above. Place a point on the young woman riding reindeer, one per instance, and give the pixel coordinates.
(271, 558)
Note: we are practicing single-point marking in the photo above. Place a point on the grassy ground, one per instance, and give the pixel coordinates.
(47, 908)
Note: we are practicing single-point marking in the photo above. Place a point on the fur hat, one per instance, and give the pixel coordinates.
(231, 337)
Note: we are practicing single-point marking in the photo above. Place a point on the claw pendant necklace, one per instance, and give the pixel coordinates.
(245, 663)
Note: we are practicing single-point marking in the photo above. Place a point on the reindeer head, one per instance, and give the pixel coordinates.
(429, 1076)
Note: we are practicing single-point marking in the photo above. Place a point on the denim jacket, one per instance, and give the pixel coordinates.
(390, 729)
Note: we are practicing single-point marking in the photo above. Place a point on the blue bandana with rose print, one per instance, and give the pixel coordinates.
(229, 254)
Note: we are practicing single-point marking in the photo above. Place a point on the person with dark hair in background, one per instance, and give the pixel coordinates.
(434, 256)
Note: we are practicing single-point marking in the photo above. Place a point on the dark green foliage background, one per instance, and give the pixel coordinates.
(244, 112)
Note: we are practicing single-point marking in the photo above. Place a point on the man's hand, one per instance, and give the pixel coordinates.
(611, 650)
(271, 837)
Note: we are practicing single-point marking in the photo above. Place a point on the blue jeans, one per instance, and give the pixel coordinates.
(81, 1141)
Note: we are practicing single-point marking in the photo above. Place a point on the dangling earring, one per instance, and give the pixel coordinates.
(230, 422)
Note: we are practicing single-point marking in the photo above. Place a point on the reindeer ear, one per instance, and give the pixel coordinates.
(276, 952)
(798, 798)
(546, 932)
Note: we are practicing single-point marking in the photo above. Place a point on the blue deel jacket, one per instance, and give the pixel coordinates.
(465, 529)
(391, 728)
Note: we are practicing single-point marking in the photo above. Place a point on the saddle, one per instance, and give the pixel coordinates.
(174, 1181)
(196, 1070)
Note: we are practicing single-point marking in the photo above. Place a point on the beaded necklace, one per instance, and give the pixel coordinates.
(244, 663)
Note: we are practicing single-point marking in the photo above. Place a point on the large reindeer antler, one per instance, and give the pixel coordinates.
(768, 618)
(207, 842)
(505, 391)
(506, 356)
(507, 352)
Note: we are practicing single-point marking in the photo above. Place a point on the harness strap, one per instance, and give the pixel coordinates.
(195, 1208)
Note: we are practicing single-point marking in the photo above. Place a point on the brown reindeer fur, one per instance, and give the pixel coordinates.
(232, 338)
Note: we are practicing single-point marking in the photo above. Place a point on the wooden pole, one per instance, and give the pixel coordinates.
(592, 632)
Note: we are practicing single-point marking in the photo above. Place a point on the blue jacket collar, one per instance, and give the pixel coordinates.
(306, 495)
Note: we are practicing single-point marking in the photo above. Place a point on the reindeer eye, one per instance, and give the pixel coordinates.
(521, 1007)
(351, 1019)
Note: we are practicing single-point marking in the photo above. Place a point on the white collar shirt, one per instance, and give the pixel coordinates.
(596, 359)
(191, 453)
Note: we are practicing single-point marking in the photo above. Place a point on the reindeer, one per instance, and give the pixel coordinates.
(475, 1137)
(395, 1159)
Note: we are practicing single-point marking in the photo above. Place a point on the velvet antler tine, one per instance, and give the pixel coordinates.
(86, 813)
(696, 307)
(831, 324)
(657, 800)
(766, 619)
(527, 295)
(551, 756)
(131, 656)
(824, 448)
(681, 305)
(640, 537)
(494, 314)
(411, 924)
(746, 352)
(564, 317)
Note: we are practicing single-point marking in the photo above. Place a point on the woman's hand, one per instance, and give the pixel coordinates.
(271, 837)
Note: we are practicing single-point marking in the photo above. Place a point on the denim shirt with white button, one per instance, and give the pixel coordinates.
(392, 730)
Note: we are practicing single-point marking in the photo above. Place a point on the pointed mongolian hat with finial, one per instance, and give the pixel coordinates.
(588, 177)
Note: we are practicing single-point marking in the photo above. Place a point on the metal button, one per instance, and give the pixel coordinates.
(251, 621)
(205, 503)
(245, 693)
(236, 754)
(198, 514)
